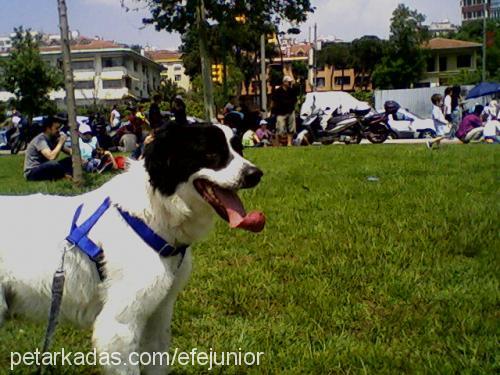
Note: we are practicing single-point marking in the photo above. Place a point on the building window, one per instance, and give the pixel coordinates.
(82, 65)
(112, 84)
(136, 66)
(177, 77)
(345, 80)
(431, 64)
(128, 83)
(84, 85)
(111, 62)
(443, 64)
(177, 68)
(320, 82)
(464, 61)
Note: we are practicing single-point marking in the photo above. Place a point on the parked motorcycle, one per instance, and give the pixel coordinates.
(23, 135)
(350, 127)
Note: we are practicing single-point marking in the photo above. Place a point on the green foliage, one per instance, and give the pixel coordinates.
(366, 53)
(404, 63)
(300, 71)
(349, 276)
(27, 76)
(169, 89)
(180, 16)
(466, 77)
(337, 55)
(364, 96)
(473, 31)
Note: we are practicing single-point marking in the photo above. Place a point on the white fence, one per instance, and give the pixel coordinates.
(417, 101)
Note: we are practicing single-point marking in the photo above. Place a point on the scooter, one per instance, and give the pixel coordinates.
(351, 127)
(22, 136)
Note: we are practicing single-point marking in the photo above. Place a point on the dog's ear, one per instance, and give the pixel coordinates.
(158, 158)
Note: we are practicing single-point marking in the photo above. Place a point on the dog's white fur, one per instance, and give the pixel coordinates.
(131, 310)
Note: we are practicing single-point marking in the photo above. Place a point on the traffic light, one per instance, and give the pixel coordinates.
(217, 73)
(272, 39)
(241, 18)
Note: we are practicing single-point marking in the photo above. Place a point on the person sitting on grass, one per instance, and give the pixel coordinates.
(264, 134)
(471, 128)
(250, 139)
(94, 158)
(492, 126)
(440, 122)
(40, 162)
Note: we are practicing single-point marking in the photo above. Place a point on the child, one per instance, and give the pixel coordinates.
(440, 122)
(94, 158)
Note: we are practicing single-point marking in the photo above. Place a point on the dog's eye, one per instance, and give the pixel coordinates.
(212, 157)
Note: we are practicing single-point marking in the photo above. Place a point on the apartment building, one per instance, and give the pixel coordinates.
(447, 58)
(103, 71)
(475, 9)
(173, 67)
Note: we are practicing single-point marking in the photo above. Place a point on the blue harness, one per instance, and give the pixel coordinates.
(78, 236)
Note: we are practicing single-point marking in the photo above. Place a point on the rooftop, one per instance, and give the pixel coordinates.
(164, 55)
(443, 43)
(85, 44)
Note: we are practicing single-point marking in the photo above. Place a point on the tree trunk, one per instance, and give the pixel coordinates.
(70, 93)
(342, 80)
(208, 97)
(332, 83)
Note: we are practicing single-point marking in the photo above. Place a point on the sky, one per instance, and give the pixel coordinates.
(344, 19)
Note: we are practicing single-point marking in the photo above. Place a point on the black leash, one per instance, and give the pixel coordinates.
(55, 306)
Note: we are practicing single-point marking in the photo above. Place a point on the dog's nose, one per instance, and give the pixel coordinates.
(251, 177)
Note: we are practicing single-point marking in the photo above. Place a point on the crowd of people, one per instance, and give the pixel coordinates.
(99, 136)
(452, 121)
(98, 139)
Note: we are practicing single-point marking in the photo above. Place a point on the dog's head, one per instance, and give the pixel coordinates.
(207, 161)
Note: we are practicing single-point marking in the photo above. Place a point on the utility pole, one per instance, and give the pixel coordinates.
(208, 97)
(263, 73)
(70, 92)
(315, 57)
(485, 16)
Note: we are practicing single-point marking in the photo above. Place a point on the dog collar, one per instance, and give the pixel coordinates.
(79, 234)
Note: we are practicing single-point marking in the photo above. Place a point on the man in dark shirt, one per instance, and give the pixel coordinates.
(40, 162)
(155, 118)
(284, 100)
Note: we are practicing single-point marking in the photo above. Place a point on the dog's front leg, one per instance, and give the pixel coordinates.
(157, 332)
(156, 338)
(118, 327)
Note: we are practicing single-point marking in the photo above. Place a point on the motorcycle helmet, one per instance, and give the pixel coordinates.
(391, 107)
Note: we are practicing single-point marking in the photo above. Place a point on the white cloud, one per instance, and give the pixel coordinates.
(350, 19)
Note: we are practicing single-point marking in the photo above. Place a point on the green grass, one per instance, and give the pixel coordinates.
(349, 276)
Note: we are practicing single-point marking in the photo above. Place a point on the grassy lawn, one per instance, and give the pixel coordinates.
(399, 275)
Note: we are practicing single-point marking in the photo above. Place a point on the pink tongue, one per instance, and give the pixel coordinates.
(238, 218)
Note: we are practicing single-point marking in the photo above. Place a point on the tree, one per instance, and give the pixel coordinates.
(27, 76)
(300, 72)
(184, 16)
(338, 56)
(473, 31)
(404, 63)
(366, 53)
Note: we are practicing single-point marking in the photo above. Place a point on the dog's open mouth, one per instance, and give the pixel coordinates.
(229, 206)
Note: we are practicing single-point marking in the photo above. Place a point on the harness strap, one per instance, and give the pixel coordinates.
(158, 244)
(78, 235)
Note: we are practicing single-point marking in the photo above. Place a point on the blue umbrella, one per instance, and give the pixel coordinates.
(483, 89)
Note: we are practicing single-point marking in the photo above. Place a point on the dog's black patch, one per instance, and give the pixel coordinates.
(177, 152)
(237, 144)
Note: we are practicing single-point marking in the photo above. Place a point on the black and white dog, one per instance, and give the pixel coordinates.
(187, 174)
